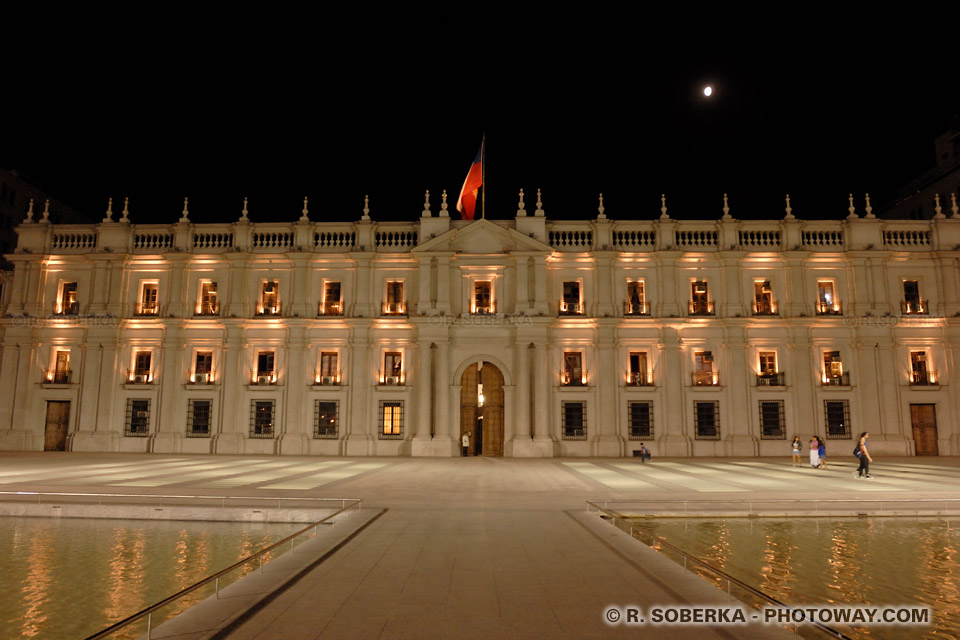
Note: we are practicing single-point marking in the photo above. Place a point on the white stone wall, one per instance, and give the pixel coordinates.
(527, 260)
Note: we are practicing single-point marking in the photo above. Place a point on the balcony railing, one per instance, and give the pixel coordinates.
(146, 309)
(914, 307)
(639, 379)
(701, 308)
(571, 309)
(208, 309)
(202, 377)
(771, 379)
(572, 379)
(829, 308)
(273, 310)
(392, 379)
(265, 379)
(765, 308)
(330, 309)
(57, 376)
(485, 310)
(328, 379)
(394, 309)
(636, 309)
(70, 309)
(841, 380)
(706, 379)
(139, 377)
(923, 378)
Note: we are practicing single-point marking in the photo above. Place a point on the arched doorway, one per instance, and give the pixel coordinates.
(482, 415)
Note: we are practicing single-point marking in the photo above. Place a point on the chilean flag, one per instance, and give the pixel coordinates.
(467, 202)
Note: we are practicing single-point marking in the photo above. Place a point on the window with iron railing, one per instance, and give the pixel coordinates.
(827, 303)
(392, 373)
(574, 420)
(394, 304)
(326, 419)
(138, 418)
(768, 375)
(332, 304)
(329, 373)
(638, 374)
(833, 373)
(208, 304)
(912, 304)
(639, 420)
(571, 302)
(269, 299)
(772, 422)
(391, 420)
(266, 373)
(61, 368)
(148, 303)
(836, 419)
(636, 304)
(199, 414)
(203, 368)
(706, 420)
(68, 303)
(262, 416)
(700, 303)
(572, 374)
(141, 373)
(763, 302)
(704, 374)
(920, 372)
(483, 302)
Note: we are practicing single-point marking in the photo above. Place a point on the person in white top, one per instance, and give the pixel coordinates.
(465, 441)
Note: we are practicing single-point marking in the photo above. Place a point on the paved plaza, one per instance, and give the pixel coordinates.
(480, 547)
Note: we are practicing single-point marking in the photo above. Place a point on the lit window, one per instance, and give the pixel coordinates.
(266, 374)
(148, 299)
(833, 373)
(203, 368)
(827, 303)
(763, 304)
(571, 304)
(392, 368)
(329, 373)
(270, 298)
(700, 303)
(769, 376)
(703, 370)
(394, 302)
(912, 304)
(332, 304)
(920, 372)
(61, 367)
(636, 302)
(68, 304)
(208, 305)
(141, 367)
(638, 375)
(391, 420)
(483, 296)
(573, 369)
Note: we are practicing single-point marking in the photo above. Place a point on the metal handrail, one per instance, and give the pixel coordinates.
(148, 612)
(619, 521)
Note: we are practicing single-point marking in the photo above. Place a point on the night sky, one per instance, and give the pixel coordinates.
(274, 127)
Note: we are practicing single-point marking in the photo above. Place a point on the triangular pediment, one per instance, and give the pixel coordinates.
(482, 237)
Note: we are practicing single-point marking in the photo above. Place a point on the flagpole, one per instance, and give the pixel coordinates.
(483, 176)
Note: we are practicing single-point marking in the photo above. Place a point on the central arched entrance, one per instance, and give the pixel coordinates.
(481, 408)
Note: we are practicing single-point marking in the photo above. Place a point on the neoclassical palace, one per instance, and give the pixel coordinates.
(538, 338)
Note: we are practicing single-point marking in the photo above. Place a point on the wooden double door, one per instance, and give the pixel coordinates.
(482, 420)
(923, 418)
(57, 425)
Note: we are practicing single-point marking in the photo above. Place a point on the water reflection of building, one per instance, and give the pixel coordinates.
(717, 337)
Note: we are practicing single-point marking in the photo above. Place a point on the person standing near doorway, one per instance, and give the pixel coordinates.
(465, 443)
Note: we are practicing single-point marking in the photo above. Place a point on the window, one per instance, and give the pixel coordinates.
(640, 420)
(199, 413)
(391, 420)
(394, 303)
(270, 298)
(912, 304)
(141, 367)
(706, 420)
(203, 368)
(138, 418)
(326, 419)
(328, 373)
(208, 305)
(68, 304)
(763, 304)
(483, 297)
(920, 373)
(262, 414)
(148, 299)
(700, 303)
(574, 416)
(769, 376)
(331, 305)
(833, 373)
(61, 367)
(636, 302)
(392, 368)
(572, 368)
(266, 374)
(827, 303)
(837, 418)
(638, 374)
(703, 370)
(771, 420)
(571, 303)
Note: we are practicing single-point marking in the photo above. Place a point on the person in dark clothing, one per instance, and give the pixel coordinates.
(865, 459)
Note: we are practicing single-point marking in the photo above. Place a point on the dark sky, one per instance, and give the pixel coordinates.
(275, 126)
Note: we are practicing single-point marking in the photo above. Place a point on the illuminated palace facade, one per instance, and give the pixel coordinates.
(539, 337)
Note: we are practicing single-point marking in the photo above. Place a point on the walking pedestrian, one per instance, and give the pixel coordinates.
(644, 454)
(865, 459)
(814, 452)
(797, 447)
(465, 442)
(822, 453)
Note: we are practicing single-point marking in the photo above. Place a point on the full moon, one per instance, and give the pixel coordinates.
(707, 91)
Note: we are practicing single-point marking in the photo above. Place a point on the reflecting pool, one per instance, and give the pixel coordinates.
(878, 561)
(71, 577)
